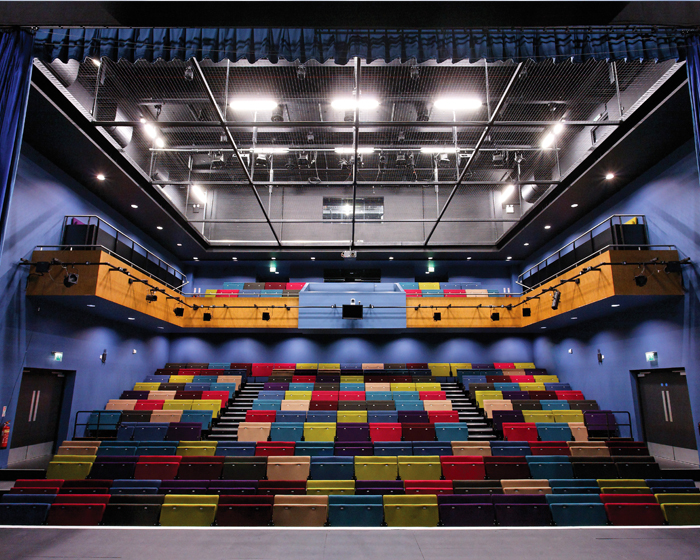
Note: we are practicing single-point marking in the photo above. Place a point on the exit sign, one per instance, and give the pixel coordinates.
(652, 356)
(57, 356)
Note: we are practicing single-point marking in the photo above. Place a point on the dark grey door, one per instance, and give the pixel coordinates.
(666, 413)
(38, 413)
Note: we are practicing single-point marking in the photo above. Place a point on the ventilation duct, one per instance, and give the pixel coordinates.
(531, 193)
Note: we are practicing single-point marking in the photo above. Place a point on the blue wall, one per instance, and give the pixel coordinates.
(43, 195)
(669, 196)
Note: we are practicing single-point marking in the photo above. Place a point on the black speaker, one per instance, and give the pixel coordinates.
(179, 311)
(352, 311)
(527, 312)
(206, 316)
(43, 267)
(437, 316)
(265, 316)
(495, 316)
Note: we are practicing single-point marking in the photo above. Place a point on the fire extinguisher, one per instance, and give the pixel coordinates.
(5, 435)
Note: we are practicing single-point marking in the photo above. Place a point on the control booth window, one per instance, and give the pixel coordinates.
(367, 208)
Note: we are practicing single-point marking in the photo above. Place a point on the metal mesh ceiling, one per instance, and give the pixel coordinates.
(291, 147)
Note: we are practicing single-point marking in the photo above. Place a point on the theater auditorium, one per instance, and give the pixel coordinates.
(280, 281)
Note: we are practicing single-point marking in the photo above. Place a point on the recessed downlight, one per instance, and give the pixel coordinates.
(610, 176)
(91, 305)
(469, 258)
(134, 206)
(159, 227)
(161, 328)
(234, 258)
(313, 258)
(391, 258)
(547, 227)
(574, 318)
(273, 258)
(430, 258)
(195, 258)
(543, 327)
(131, 318)
(615, 305)
(509, 258)
(100, 177)
(526, 244)
(179, 244)
(574, 205)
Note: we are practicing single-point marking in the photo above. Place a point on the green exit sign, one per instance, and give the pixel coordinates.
(652, 356)
(57, 356)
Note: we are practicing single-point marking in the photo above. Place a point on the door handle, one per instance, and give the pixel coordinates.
(31, 406)
(670, 411)
(663, 400)
(36, 405)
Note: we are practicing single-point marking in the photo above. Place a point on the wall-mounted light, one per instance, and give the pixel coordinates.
(600, 357)
(556, 296)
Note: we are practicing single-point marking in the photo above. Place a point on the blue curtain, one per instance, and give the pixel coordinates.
(15, 75)
(342, 45)
(694, 85)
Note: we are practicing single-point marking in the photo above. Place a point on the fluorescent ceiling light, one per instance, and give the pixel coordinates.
(347, 209)
(558, 128)
(270, 150)
(507, 191)
(351, 150)
(350, 103)
(438, 150)
(199, 193)
(160, 143)
(150, 130)
(96, 62)
(253, 104)
(458, 103)
(548, 140)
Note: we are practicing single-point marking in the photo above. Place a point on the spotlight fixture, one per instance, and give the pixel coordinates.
(265, 316)
(303, 160)
(42, 267)
(206, 316)
(151, 297)
(527, 312)
(70, 280)
(495, 316)
(189, 73)
(673, 266)
(310, 137)
(179, 311)
(443, 161)
(277, 114)
(640, 280)
(422, 111)
(291, 163)
(349, 116)
(401, 159)
(261, 161)
(610, 176)
(344, 163)
(301, 72)
(414, 72)
(195, 307)
(556, 296)
(100, 177)
(437, 316)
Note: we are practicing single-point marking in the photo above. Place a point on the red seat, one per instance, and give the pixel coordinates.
(520, 431)
(275, 285)
(189, 371)
(324, 395)
(272, 487)
(295, 285)
(260, 415)
(303, 379)
(200, 468)
(504, 366)
(262, 370)
(519, 378)
(91, 482)
(542, 395)
(385, 431)
(241, 365)
(432, 395)
(38, 483)
(323, 405)
(75, 514)
(628, 499)
(226, 293)
(149, 405)
(414, 293)
(443, 416)
(188, 395)
(399, 379)
(82, 499)
(634, 514)
(497, 379)
(236, 511)
(35, 490)
(417, 366)
(153, 469)
(428, 486)
(418, 431)
(274, 448)
(350, 395)
(216, 395)
(463, 467)
(569, 395)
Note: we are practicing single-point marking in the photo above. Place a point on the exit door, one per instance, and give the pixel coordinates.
(666, 414)
(38, 414)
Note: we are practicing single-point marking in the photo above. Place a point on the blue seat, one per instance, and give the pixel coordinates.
(451, 431)
(301, 386)
(580, 514)
(378, 396)
(405, 395)
(267, 405)
(391, 448)
(322, 416)
(23, 514)
(572, 482)
(294, 416)
(554, 431)
(554, 405)
(125, 432)
(286, 431)
(576, 490)
(114, 450)
(557, 387)
(432, 448)
(314, 448)
(131, 486)
(199, 386)
(151, 431)
(207, 378)
(409, 405)
(157, 448)
(271, 395)
(466, 379)
(332, 468)
(204, 417)
(550, 469)
(107, 420)
(355, 511)
(235, 449)
(510, 448)
(573, 498)
(352, 387)
(382, 416)
(157, 379)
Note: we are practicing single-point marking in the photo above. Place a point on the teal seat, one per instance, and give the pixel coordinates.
(267, 405)
(352, 386)
(314, 448)
(554, 431)
(582, 514)
(378, 395)
(555, 405)
(103, 420)
(201, 416)
(230, 387)
(409, 405)
(451, 431)
(506, 386)
(355, 511)
(286, 431)
(301, 386)
(573, 498)
(220, 365)
(549, 469)
(405, 395)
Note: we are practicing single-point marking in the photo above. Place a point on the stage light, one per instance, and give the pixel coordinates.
(458, 103)
(422, 111)
(443, 161)
(495, 316)
(206, 316)
(100, 177)
(301, 72)
(253, 104)
(351, 103)
(42, 267)
(527, 312)
(673, 266)
(640, 280)
(151, 297)
(556, 296)
(277, 114)
(265, 316)
(179, 311)
(189, 73)
(437, 316)
(70, 280)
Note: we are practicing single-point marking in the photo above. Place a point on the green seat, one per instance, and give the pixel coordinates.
(75, 458)
(196, 450)
(376, 468)
(319, 431)
(330, 487)
(420, 510)
(419, 467)
(187, 515)
(59, 470)
(681, 514)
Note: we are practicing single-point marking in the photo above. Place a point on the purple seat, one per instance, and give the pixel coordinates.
(516, 395)
(276, 386)
(233, 487)
(483, 366)
(523, 515)
(519, 499)
(324, 378)
(183, 487)
(352, 431)
(465, 510)
(379, 487)
(139, 395)
(464, 499)
(600, 421)
(352, 449)
(184, 431)
(113, 467)
(500, 416)
(413, 416)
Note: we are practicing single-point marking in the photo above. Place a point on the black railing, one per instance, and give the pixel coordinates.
(97, 424)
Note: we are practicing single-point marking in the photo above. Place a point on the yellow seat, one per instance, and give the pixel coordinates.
(418, 510)
(526, 486)
(491, 405)
(329, 367)
(210, 293)
(376, 468)
(480, 448)
(201, 499)
(481, 396)
(161, 395)
(352, 378)
(213, 405)
(568, 416)
(120, 404)
(330, 487)
(254, 431)
(352, 416)
(428, 387)
(420, 467)
(203, 443)
(319, 431)
(437, 405)
(293, 467)
(524, 365)
(68, 470)
(678, 498)
(177, 404)
(181, 378)
(397, 386)
(85, 452)
(538, 416)
(455, 367)
(146, 386)
(295, 405)
(681, 513)
(187, 515)
(578, 431)
(546, 379)
(428, 285)
(369, 387)
(75, 458)
(300, 511)
(532, 387)
(297, 395)
(439, 370)
(195, 451)
(307, 366)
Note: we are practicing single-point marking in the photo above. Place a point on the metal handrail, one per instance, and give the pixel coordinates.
(97, 413)
(589, 235)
